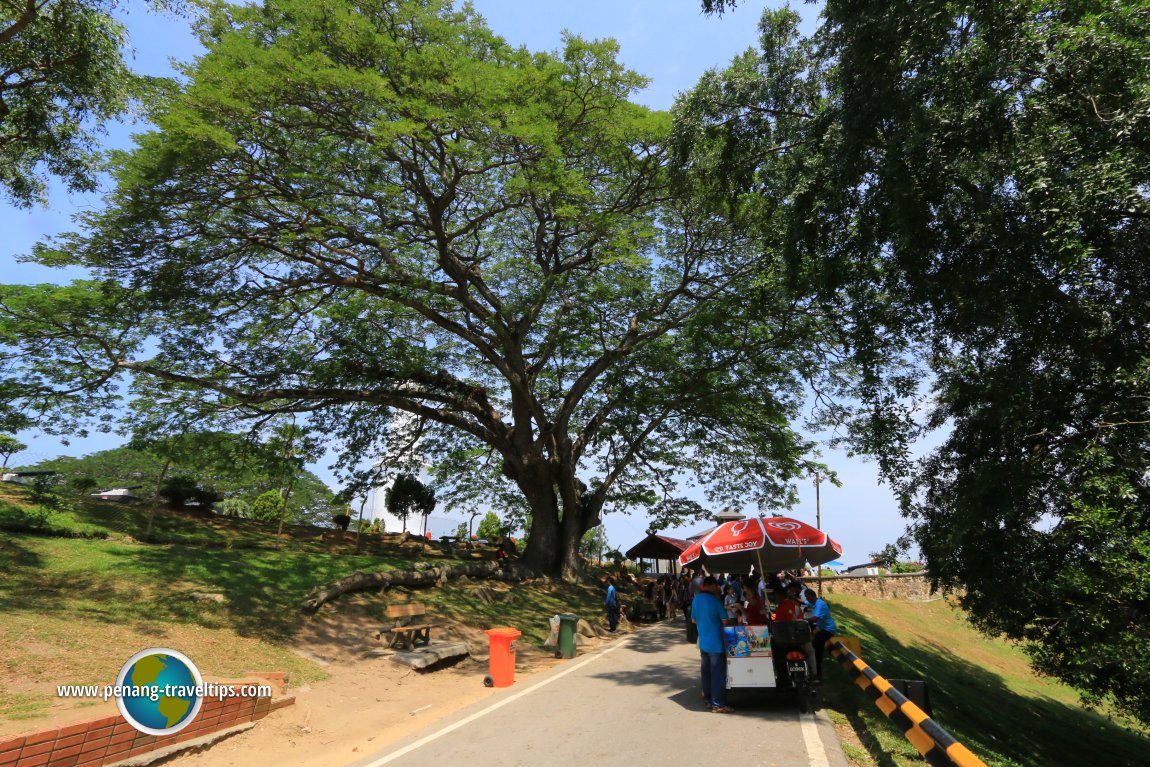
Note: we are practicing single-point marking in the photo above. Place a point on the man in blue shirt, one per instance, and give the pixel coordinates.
(612, 605)
(707, 613)
(825, 627)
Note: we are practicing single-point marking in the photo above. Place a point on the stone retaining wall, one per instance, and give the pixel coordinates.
(913, 587)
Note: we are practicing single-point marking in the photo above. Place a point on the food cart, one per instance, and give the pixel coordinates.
(771, 655)
(750, 657)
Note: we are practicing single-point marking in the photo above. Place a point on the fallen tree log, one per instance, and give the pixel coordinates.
(429, 576)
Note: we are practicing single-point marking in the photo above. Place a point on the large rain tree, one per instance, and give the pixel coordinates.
(358, 210)
(981, 188)
(62, 73)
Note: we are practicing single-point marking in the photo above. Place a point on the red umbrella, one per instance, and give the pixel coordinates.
(692, 552)
(768, 543)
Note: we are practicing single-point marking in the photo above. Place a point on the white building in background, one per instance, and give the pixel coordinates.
(121, 494)
(405, 434)
(377, 508)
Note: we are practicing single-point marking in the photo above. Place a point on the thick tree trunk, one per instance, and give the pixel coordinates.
(571, 565)
(558, 521)
(553, 541)
(542, 555)
(428, 577)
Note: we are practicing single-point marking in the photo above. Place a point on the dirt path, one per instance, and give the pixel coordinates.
(366, 704)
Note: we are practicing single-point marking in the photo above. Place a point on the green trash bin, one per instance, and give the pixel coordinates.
(567, 626)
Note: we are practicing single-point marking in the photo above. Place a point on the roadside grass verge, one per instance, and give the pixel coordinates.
(131, 583)
(982, 691)
(73, 610)
(78, 599)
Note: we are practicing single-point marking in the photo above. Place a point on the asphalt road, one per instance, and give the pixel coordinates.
(634, 702)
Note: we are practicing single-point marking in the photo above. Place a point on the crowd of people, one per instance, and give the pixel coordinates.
(709, 603)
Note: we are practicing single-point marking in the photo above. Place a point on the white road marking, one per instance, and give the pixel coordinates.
(811, 739)
(500, 704)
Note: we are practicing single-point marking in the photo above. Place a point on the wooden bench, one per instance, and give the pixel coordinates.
(409, 629)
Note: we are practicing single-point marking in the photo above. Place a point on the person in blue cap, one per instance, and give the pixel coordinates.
(707, 613)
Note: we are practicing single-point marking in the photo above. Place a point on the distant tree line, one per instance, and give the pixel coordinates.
(224, 471)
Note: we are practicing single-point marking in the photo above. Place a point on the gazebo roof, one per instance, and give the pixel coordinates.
(658, 547)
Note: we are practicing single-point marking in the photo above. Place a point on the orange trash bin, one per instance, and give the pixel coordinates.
(501, 655)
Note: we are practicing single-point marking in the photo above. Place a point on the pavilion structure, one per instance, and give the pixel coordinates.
(661, 550)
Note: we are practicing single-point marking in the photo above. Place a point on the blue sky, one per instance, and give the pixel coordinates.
(669, 41)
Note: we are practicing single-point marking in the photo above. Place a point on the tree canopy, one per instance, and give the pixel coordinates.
(407, 496)
(62, 73)
(9, 446)
(354, 208)
(979, 193)
(490, 527)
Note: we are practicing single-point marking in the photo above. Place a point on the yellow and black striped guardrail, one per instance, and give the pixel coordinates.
(934, 743)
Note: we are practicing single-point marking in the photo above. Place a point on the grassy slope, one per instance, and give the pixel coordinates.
(981, 689)
(72, 609)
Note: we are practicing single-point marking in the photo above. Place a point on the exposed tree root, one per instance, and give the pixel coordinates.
(428, 576)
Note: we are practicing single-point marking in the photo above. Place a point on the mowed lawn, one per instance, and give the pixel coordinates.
(982, 692)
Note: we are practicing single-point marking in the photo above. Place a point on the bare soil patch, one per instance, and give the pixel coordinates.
(366, 703)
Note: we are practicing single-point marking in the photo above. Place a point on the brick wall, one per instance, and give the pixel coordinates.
(111, 739)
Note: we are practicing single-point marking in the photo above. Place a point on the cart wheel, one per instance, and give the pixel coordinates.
(488, 681)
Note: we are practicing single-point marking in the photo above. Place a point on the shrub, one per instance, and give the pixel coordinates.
(342, 521)
(182, 491)
(44, 490)
(235, 507)
(267, 507)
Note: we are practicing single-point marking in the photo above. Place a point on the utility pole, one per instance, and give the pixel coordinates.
(819, 525)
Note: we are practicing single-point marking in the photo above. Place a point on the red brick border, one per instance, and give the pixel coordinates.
(109, 739)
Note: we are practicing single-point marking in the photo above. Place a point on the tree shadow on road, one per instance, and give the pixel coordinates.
(659, 637)
(679, 680)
